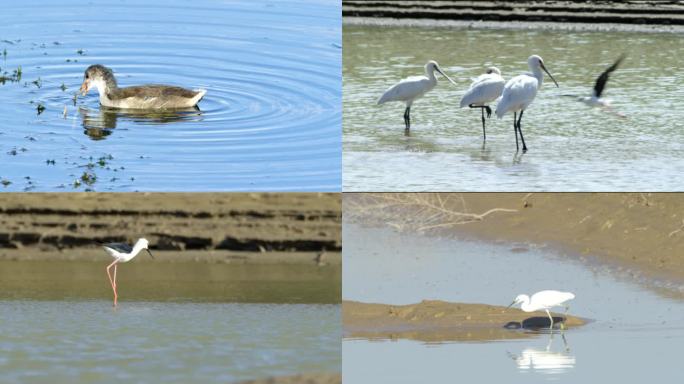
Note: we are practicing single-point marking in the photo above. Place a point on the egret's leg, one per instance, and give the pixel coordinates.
(520, 130)
(515, 131)
(550, 318)
(407, 117)
(112, 281)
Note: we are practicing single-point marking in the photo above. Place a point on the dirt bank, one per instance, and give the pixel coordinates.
(310, 378)
(641, 232)
(226, 227)
(596, 15)
(442, 321)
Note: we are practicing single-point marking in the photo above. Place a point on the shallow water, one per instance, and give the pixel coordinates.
(171, 282)
(270, 120)
(633, 337)
(571, 147)
(88, 341)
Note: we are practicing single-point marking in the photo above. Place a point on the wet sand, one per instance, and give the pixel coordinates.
(212, 227)
(435, 321)
(647, 16)
(640, 232)
(310, 378)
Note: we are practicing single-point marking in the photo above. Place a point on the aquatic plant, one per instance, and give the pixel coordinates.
(63, 87)
(40, 108)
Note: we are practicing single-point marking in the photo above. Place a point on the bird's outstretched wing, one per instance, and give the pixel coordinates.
(603, 79)
(119, 247)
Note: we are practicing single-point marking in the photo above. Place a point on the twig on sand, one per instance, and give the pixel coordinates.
(416, 211)
(677, 230)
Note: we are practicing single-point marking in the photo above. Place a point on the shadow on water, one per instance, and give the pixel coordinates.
(535, 323)
(98, 124)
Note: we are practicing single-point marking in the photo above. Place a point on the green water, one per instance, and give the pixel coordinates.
(171, 282)
(571, 147)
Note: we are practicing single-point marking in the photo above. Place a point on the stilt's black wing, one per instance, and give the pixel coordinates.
(119, 247)
(603, 79)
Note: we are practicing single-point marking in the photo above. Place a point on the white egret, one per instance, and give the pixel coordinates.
(595, 100)
(519, 93)
(544, 300)
(484, 89)
(122, 253)
(412, 88)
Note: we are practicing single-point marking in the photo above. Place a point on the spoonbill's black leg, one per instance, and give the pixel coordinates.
(515, 131)
(520, 130)
(407, 118)
(489, 114)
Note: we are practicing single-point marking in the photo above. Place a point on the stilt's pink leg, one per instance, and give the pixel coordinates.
(113, 281)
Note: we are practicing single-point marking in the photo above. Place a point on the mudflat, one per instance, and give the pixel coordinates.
(642, 232)
(434, 321)
(309, 378)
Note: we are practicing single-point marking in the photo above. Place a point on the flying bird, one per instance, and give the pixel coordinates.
(595, 100)
(412, 88)
(484, 89)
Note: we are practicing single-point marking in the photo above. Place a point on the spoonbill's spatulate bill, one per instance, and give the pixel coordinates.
(151, 96)
(122, 253)
(595, 100)
(412, 88)
(485, 89)
(544, 300)
(519, 93)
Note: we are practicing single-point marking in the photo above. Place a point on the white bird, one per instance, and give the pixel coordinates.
(484, 89)
(544, 300)
(519, 93)
(412, 88)
(122, 253)
(595, 99)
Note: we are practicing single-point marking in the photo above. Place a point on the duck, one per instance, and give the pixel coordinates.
(149, 96)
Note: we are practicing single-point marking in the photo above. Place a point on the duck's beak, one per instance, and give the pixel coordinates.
(150, 253)
(85, 87)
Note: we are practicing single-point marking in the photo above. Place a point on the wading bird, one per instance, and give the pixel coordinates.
(485, 89)
(519, 93)
(412, 88)
(122, 253)
(595, 99)
(544, 300)
(151, 96)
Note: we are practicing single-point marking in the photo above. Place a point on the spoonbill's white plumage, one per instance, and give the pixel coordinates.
(412, 88)
(484, 89)
(122, 253)
(544, 300)
(595, 100)
(519, 92)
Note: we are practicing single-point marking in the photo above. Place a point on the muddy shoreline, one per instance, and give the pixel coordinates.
(435, 321)
(648, 16)
(642, 233)
(209, 227)
(308, 378)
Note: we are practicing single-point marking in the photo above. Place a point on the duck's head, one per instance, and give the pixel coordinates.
(97, 76)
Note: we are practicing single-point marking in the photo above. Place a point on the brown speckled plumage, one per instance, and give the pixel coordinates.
(150, 96)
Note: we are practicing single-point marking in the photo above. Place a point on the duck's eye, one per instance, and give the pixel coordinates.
(87, 77)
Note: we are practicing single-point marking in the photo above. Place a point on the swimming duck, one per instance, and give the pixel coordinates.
(150, 96)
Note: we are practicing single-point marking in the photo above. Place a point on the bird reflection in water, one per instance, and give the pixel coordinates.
(545, 360)
(100, 123)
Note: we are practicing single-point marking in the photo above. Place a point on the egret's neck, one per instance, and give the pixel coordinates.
(526, 305)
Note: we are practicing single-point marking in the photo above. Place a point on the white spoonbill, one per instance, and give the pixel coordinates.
(544, 300)
(519, 93)
(412, 88)
(122, 253)
(485, 89)
(595, 100)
